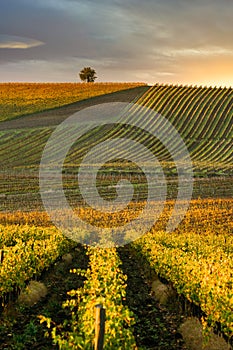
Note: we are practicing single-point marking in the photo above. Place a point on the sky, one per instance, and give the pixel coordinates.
(152, 41)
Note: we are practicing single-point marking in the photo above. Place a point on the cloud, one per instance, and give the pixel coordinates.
(198, 52)
(17, 42)
(165, 73)
(121, 39)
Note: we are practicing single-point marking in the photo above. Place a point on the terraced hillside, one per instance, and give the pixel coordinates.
(204, 119)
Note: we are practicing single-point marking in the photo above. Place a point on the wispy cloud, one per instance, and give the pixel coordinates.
(208, 51)
(165, 73)
(17, 42)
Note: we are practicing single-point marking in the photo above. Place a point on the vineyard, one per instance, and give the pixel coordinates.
(194, 260)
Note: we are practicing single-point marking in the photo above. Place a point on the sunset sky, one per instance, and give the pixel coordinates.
(166, 41)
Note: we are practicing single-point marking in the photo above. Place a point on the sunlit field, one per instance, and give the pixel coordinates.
(195, 259)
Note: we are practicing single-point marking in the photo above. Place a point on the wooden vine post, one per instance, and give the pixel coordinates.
(99, 327)
(1, 255)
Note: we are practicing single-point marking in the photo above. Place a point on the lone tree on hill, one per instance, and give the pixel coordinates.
(88, 74)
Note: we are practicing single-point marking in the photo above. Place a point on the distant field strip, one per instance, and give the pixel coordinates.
(17, 99)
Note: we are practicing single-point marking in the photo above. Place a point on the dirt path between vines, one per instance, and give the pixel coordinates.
(20, 328)
(155, 328)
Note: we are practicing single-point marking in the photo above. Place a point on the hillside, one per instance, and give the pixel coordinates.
(172, 273)
(202, 116)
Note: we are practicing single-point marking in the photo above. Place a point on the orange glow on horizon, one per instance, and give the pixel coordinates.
(210, 71)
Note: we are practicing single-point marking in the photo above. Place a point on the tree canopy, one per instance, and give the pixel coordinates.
(88, 74)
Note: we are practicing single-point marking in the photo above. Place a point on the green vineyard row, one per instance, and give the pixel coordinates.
(28, 250)
(105, 284)
(199, 267)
